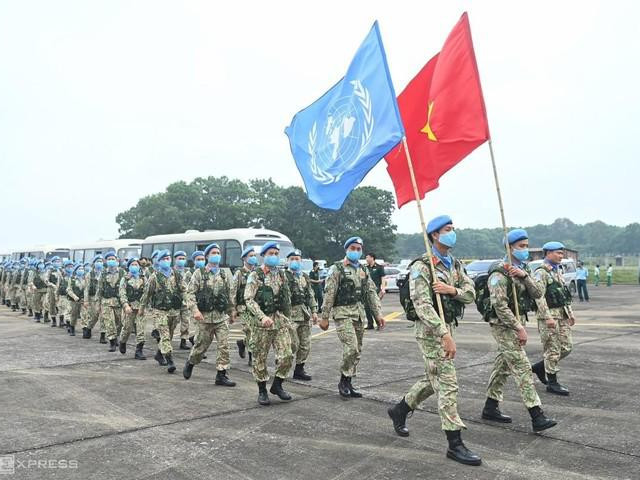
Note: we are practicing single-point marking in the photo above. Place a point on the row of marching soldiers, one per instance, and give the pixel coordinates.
(123, 294)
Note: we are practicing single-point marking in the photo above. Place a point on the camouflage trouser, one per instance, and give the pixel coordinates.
(51, 302)
(262, 339)
(557, 343)
(110, 317)
(16, 298)
(350, 332)
(77, 310)
(440, 376)
(93, 315)
(206, 333)
(23, 297)
(185, 315)
(166, 321)
(29, 295)
(300, 340)
(130, 320)
(38, 299)
(511, 360)
(247, 329)
(62, 305)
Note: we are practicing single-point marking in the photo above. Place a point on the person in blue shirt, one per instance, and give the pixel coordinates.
(581, 276)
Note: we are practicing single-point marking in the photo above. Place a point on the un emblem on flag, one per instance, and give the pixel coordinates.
(337, 145)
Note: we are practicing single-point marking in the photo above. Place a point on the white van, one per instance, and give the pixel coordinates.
(232, 242)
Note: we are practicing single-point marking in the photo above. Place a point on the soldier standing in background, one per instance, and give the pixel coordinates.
(250, 261)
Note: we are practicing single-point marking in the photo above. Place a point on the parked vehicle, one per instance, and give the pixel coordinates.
(568, 267)
(391, 276)
(479, 267)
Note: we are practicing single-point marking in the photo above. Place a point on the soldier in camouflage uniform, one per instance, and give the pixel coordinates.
(210, 301)
(268, 301)
(63, 302)
(250, 261)
(435, 336)
(347, 288)
(29, 291)
(164, 293)
(24, 282)
(15, 286)
(92, 300)
(130, 291)
(555, 318)
(75, 296)
(39, 287)
(199, 261)
(304, 311)
(510, 333)
(53, 282)
(180, 263)
(109, 296)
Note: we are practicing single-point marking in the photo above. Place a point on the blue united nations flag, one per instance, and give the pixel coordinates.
(336, 140)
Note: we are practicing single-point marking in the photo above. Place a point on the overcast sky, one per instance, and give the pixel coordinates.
(104, 102)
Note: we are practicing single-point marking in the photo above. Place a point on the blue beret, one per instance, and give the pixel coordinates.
(163, 253)
(294, 253)
(155, 254)
(131, 260)
(357, 240)
(550, 246)
(54, 259)
(67, 262)
(197, 253)
(267, 246)
(437, 223)
(247, 251)
(516, 235)
(87, 265)
(77, 267)
(210, 247)
(110, 254)
(180, 252)
(97, 257)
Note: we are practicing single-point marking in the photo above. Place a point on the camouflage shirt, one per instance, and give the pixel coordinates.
(76, 282)
(302, 312)
(219, 282)
(241, 275)
(174, 285)
(109, 280)
(276, 280)
(133, 283)
(545, 277)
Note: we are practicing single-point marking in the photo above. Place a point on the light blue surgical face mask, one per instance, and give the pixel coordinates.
(41, 268)
(448, 239)
(294, 265)
(98, 266)
(164, 264)
(214, 259)
(134, 270)
(199, 263)
(57, 264)
(181, 262)
(252, 261)
(272, 260)
(79, 273)
(69, 270)
(354, 255)
(522, 255)
(112, 263)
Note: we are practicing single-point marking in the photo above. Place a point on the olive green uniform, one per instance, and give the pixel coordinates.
(130, 291)
(303, 305)
(237, 292)
(109, 297)
(75, 296)
(165, 296)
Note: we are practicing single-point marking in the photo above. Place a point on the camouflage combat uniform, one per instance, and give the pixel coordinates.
(440, 372)
(210, 293)
(108, 296)
(347, 288)
(130, 291)
(511, 358)
(237, 293)
(303, 305)
(53, 282)
(267, 295)
(555, 303)
(184, 316)
(62, 302)
(165, 296)
(93, 302)
(39, 286)
(75, 296)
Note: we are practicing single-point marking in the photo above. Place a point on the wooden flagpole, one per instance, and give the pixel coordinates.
(504, 226)
(424, 226)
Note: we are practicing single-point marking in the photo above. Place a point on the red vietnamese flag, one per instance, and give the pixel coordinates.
(444, 116)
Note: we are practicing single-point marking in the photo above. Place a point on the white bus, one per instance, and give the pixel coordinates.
(45, 252)
(124, 248)
(232, 242)
(4, 256)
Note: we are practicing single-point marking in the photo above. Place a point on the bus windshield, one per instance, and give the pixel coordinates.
(129, 252)
(62, 253)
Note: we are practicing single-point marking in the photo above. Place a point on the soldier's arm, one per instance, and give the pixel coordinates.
(192, 288)
(467, 290)
(148, 292)
(420, 293)
(330, 290)
(253, 283)
(541, 277)
(313, 304)
(534, 288)
(70, 293)
(230, 281)
(286, 296)
(122, 292)
(234, 286)
(498, 285)
(374, 299)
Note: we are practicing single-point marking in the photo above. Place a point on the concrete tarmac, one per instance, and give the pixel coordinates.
(72, 410)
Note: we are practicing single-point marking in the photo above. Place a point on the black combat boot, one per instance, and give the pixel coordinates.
(160, 358)
(14, 308)
(103, 337)
(192, 341)
(38, 317)
(538, 369)
(61, 323)
(263, 396)
(155, 334)
(46, 317)
(24, 311)
(241, 348)
(123, 347)
(398, 414)
(171, 367)
(53, 321)
(249, 362)
(30, 314)
(183, 345)
(72, 330)
(187, 370)
(539, 421)
(343, 387)
(492, 412)
(276, 389)
(112, 345)
(352, 390)
(85, 332)
(554, 387)
(300, 374)
(139, 353)
(222, 379)
(457, 450)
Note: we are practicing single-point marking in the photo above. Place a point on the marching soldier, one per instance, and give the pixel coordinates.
(435, 336)
(108, 295)
(211, 303)
(63, 301)
(347, 289)
(199, 261)
(93, 301)
(303, 311)
(75, 295)
(130, 290)
(53, 282)
(250, 261)
(180, 259)
(555, 318)
(39, 286)
(268, 301)
(510, 333)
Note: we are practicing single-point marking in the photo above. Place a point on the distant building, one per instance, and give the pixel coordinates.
(536, 254)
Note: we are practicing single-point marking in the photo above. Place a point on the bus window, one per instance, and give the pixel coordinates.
(78, 256)
(187, 247)
(232, 252)
(129, 252)
(89, 255)
(163, 246)
(147, 250)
